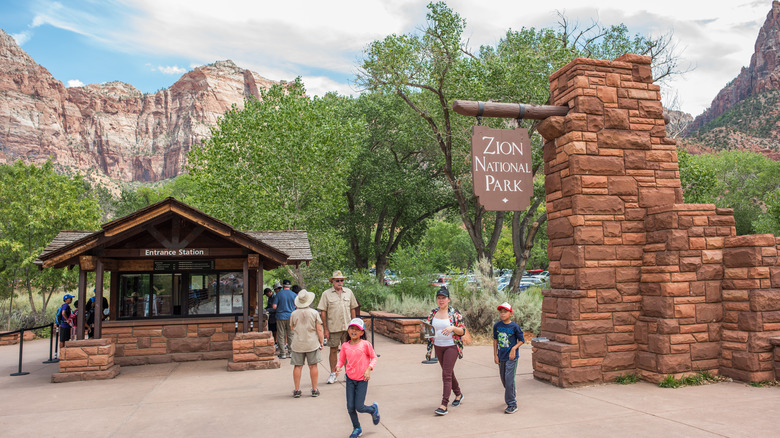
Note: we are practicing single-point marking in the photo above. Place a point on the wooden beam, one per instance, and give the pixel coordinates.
(98, 308)
(507, 110)
(260, 313)
(82, 301)
(159, 237)
(191, 236)
(87, 263)
(139, 220)
(245, 291)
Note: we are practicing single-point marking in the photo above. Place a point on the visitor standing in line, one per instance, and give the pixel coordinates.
(63, 316)
(448, 345)
(338, 306)
(270, 312)
(306, 346)
(359, 357)
(507, 338)
(285, 304)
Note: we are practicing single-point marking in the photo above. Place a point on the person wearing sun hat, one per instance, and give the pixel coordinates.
(507, 338)
(306, 326)
(338, 306)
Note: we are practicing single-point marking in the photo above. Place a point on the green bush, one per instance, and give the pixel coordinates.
(627, 379)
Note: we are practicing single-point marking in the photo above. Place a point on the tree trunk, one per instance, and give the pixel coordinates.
(523, 237)
(381, 265)
(10, 306)
(297, 275)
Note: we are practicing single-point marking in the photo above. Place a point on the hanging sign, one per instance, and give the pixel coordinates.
(501, 168)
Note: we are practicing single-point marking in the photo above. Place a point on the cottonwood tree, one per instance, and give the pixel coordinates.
(280, 163)
(36, 204)
(393, 192)
(429, 69)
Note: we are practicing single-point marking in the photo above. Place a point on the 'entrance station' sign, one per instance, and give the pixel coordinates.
(501, 168)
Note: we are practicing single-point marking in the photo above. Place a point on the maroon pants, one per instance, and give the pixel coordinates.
(447, 357)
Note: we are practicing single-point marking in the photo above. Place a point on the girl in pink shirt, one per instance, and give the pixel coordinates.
(359, 357)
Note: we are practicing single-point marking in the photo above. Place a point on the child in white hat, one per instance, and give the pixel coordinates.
(359, 357)
(507, 338)
(306, 345)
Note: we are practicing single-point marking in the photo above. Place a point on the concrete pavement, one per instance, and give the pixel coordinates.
(202, 399)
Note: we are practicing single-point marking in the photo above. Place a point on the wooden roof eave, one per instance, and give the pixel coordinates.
(59, 258)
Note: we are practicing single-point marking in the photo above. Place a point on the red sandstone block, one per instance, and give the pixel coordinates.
(765, 300)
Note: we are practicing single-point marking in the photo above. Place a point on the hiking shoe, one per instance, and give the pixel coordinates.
(356, 433)
(375, 415)
(457, 401)
(315, 392)
(510, 410)
(440, 411)
(332, 379)
(296, 393)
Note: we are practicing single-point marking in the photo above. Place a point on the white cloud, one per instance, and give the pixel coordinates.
(75, 83)
(21, 37)
(323, 41)
(171, 70)
(321, 85)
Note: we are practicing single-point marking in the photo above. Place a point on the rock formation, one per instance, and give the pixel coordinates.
(113, 127)
(762, 75)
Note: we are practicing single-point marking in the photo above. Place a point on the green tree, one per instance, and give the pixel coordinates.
(280, 163)
(36, 204)
(699, 181)
(392, 192)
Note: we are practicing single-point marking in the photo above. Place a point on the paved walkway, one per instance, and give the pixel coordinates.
(202, 399)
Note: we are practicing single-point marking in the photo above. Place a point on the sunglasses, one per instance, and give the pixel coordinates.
(338, 281)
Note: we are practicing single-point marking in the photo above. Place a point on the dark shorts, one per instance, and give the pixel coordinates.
(272, 326)
(64, 334)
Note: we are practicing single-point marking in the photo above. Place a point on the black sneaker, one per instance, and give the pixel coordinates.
(510, 410)
(440, 411)
(296, 393)
(457, 401)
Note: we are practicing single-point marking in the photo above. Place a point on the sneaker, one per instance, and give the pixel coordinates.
(356, 433)
(315, 392)
(332, 379)
(296, 393)
(510, 410)
(440, 411)
(375, 415)
(457, 401)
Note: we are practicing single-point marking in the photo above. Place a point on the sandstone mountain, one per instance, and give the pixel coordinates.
(746, 113)
(112, 129)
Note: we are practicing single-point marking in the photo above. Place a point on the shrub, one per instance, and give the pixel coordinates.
(627, 379)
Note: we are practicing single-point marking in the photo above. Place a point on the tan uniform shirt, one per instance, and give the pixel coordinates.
(304, 326)
(338, 308)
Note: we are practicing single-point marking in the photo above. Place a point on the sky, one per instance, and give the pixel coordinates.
(151, 43)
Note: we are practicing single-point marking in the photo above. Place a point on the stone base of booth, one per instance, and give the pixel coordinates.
(90, 359)
(406, 331)
(253, 351)
(776, 358)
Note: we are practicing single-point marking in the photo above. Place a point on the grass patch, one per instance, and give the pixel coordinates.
(627, 379)
(700, 378)
(764, 383)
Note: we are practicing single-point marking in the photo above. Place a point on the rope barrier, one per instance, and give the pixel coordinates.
(21, 345)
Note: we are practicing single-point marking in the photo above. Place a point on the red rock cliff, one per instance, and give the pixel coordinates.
(762, 75)
(113, 127)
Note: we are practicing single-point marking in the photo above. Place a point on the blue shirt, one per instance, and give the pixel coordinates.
(285, 304)
(507, 336)
(64, 321)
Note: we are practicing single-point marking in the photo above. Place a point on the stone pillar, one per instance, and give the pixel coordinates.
(253, 351)
(606, 163)
(751, 301)
(775, 341)
(678, 330)
(90, 359)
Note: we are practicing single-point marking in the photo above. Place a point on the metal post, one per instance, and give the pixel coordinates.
(57, 344)
(21, 348)
(52, 346)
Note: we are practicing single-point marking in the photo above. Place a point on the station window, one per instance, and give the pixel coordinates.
(149, 295)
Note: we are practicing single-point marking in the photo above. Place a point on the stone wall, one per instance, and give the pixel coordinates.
(406, 331)
(177, 340)
(90, 359)
(14, 338)
(751, 301)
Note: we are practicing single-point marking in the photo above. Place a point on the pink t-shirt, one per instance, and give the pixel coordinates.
(357, 357)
